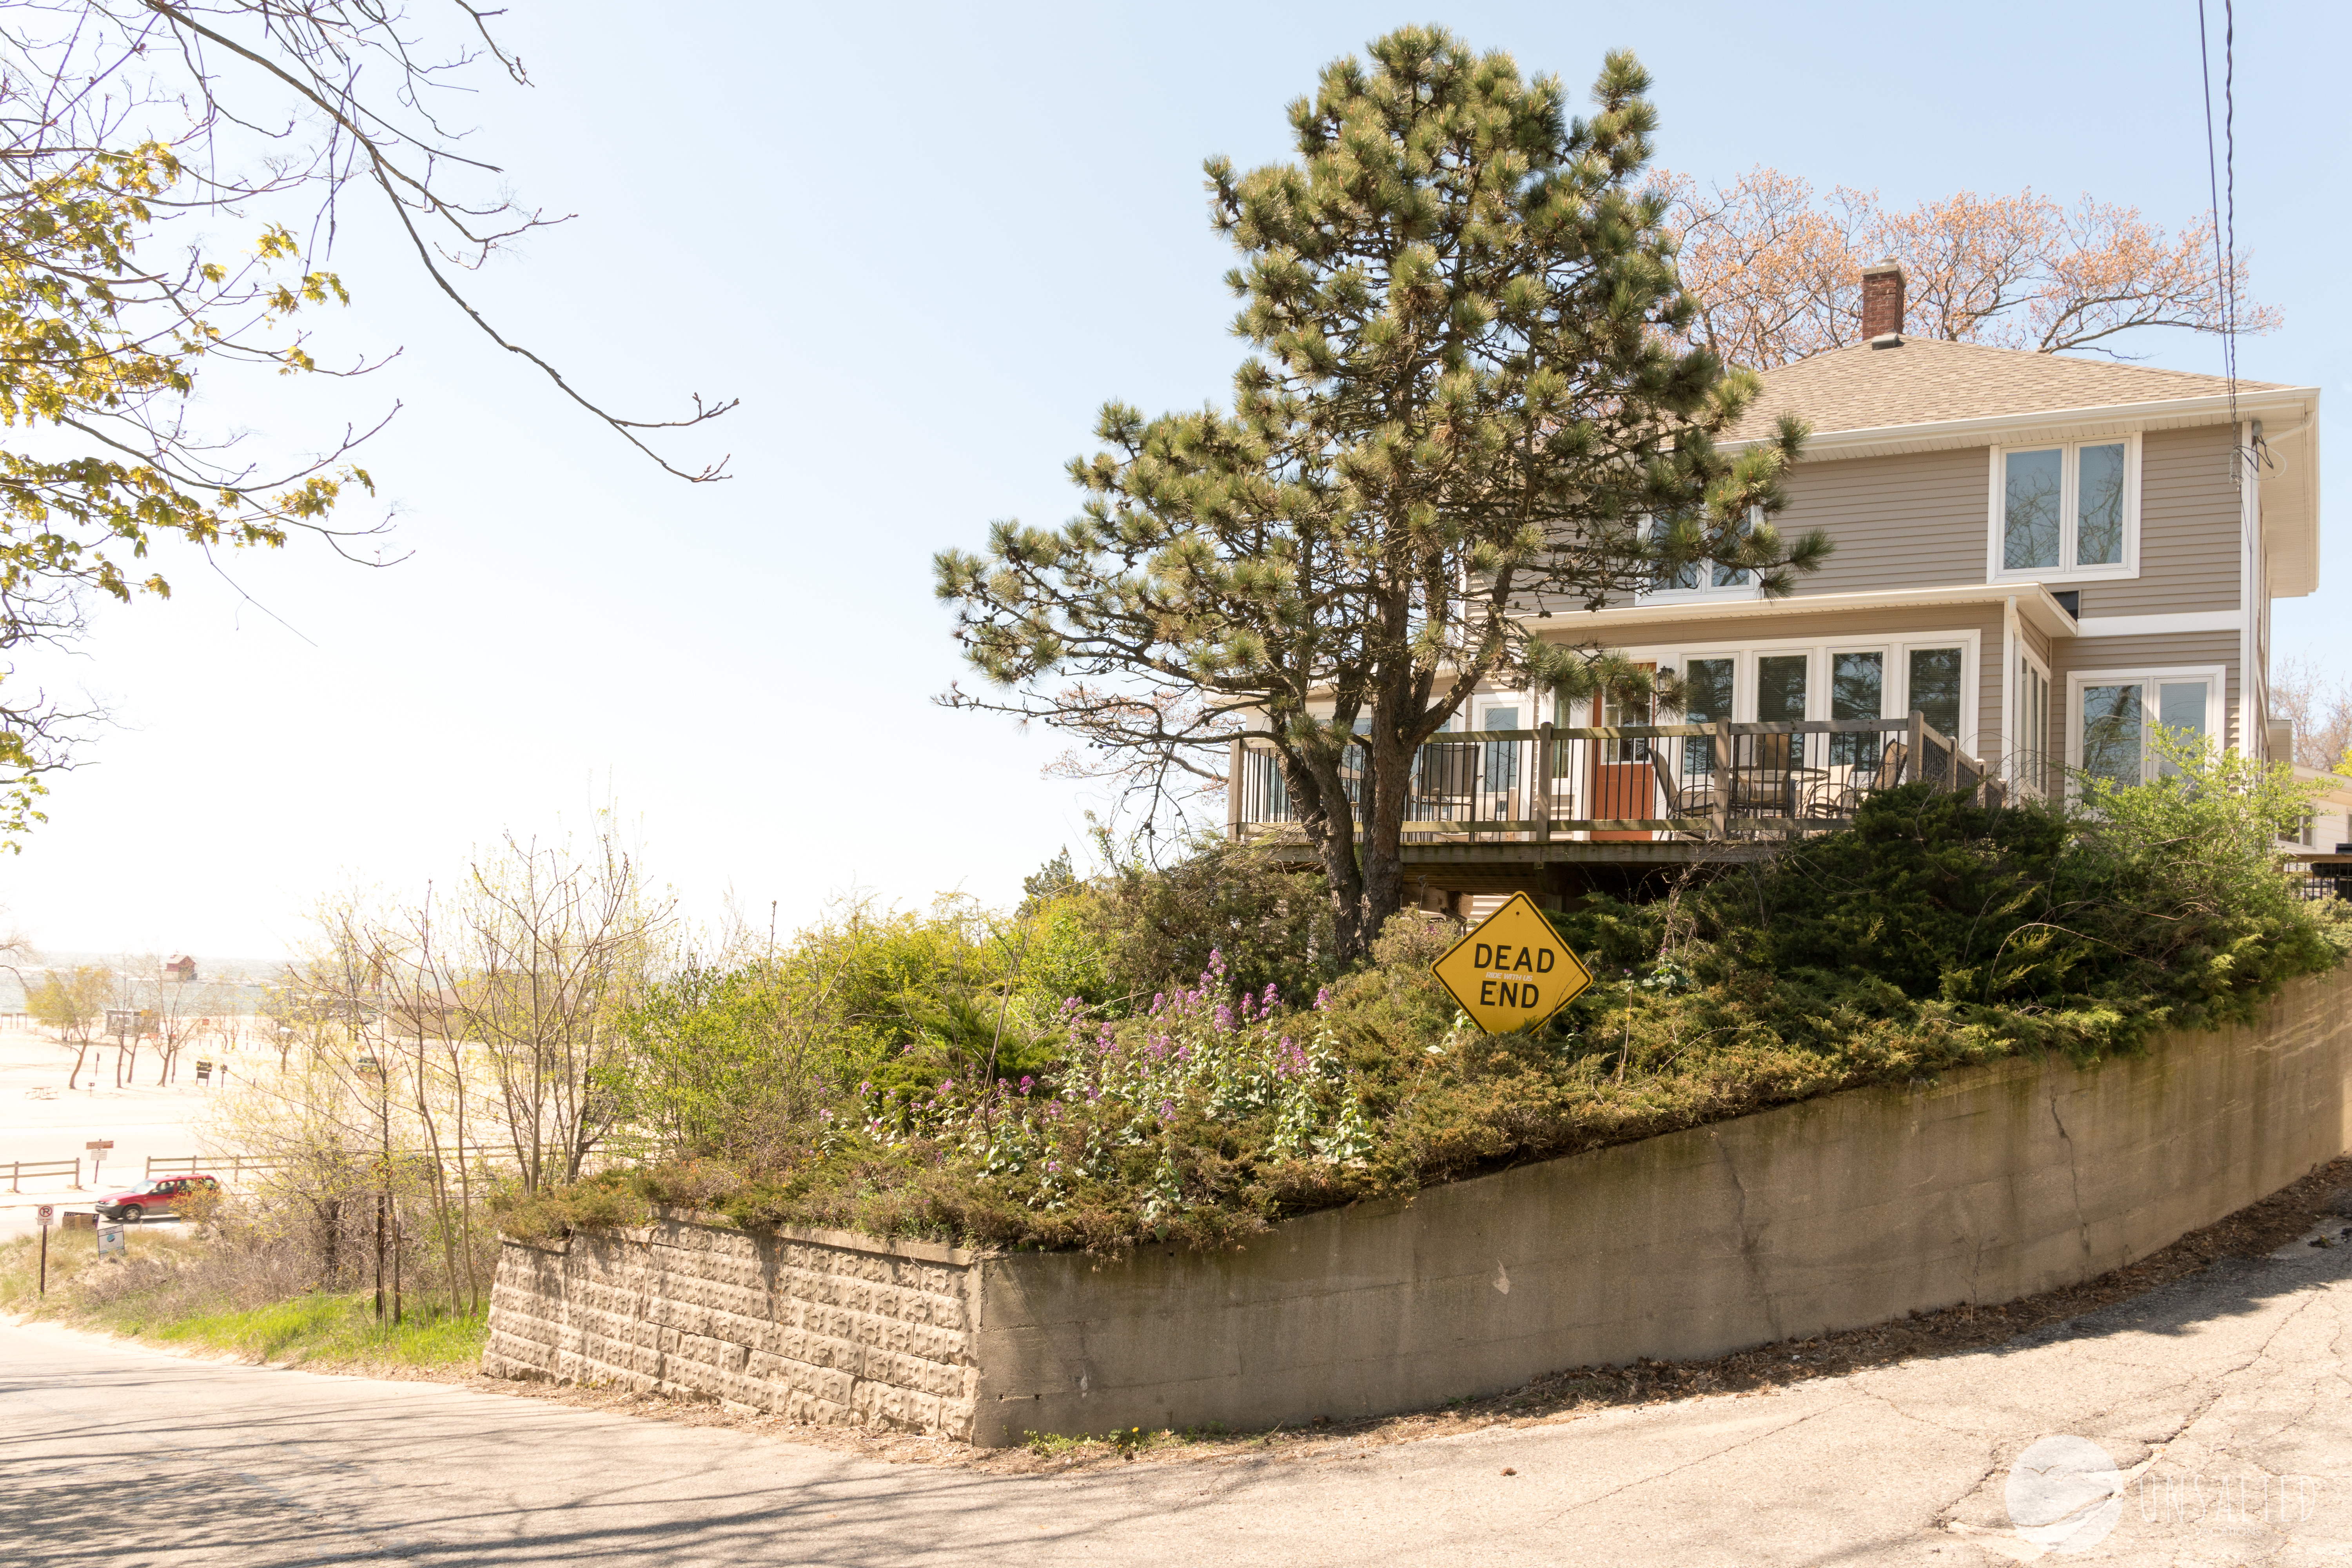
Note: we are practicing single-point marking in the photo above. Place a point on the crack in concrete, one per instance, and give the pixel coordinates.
(1943, 1520)
(2073, 1176)
(1747, 1252)
(2215, 1385)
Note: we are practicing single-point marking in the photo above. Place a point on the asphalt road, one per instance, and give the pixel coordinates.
(2229, 1387)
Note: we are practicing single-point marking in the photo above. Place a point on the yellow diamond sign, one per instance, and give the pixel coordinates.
(1513, 971)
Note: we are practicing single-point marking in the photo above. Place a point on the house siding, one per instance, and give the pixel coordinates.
(2190, 547)
(2038, 643)
(1923, 518)
(1909, 521)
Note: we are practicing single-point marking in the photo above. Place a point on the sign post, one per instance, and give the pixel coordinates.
(1513, 971)
(110, 1241)
(48, 1214)
(98, 1148)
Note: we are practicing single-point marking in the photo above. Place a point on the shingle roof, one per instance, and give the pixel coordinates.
(1925, 381)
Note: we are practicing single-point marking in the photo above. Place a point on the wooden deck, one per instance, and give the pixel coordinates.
(1557, 809)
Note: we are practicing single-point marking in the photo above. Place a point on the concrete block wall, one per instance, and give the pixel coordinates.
(1994, 1182)
(819, 1326)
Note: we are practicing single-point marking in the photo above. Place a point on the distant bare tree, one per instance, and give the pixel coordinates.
(2319, 705)
(1776, 268)
(551, 947)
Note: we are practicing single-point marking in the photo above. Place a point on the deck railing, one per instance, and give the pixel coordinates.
(1635, 781)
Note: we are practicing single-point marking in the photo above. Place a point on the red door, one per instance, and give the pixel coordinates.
(1625, 786)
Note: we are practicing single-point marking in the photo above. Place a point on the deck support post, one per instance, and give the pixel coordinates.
(1721, 742)
(1233, 756)
(1543, 783)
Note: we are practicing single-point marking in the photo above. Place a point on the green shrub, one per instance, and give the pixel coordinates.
(1269, 922)
(1934, 933)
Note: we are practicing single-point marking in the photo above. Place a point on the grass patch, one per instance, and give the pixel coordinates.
(319, 1329)
(146, 1295)
(1126, 1443)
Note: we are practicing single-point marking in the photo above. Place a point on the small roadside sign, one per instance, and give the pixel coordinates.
(110, 1241)
(1513, 970)
(48, 1214)
(99, 1145)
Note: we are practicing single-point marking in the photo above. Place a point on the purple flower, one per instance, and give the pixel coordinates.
(1225, 1019)
(1322, 997)
(1271, 1000)
(1027, 1083)
(1158, 1000)
(1167, 1111)
(946, 1085)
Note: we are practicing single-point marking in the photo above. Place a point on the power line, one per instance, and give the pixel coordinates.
(2225, 213)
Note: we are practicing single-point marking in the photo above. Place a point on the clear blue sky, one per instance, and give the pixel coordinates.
(922, 245)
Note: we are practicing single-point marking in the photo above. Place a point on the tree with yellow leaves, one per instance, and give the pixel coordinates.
(126, 128)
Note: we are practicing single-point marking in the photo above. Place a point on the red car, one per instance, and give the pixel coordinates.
(163, 1196)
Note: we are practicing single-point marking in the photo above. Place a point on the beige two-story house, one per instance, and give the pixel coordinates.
(2046, 556)
(2038, 559)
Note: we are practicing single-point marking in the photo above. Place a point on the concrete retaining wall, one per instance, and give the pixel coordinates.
(1997, 1183)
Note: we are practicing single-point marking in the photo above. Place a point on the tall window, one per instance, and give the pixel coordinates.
(1857, 691)
(1935, 674)
(1781, 687)
(2033, 725)
(2066, 511)
(1502, 756)
(1706, 686)
(2115, 732)
(2116, 715)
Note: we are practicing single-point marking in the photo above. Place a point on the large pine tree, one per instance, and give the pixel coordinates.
(1468, 396)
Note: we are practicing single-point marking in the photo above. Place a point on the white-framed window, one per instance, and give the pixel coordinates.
(1782, 681)
(2111, 714)
(2066, 510)
(2032, 727)
(1501, 711)
(1703, 579)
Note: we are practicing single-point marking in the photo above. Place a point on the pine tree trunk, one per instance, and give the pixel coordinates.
(1390, 787)
(1320, 797)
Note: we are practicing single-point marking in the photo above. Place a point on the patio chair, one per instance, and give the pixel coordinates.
(1684, 798)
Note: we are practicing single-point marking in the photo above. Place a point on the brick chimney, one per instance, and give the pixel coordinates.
(1882, 304)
